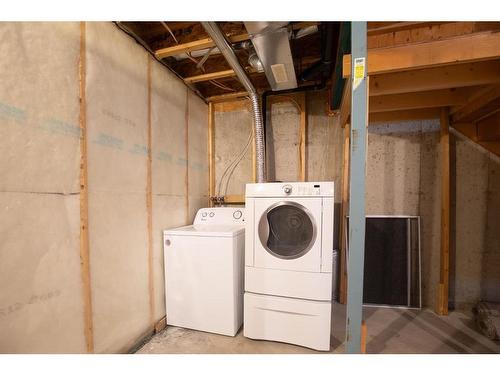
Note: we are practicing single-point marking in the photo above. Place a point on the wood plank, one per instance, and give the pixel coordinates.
(84, 199)
(210, 76)
(488, 129)
(444, 273)
(149, 204)
(364, 334)
(484, 103)
(240, 104)
(303, 137)
(186, 140)
(345, 104)
(376, 28)
(444, 77)
(470, 48)
(414, 114)
(343, 214)
(417, 100)
(195, 46)
(160, 325)
(227, 97)
(211, 153)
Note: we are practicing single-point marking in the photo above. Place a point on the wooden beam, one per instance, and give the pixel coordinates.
(343, 215)
(443, 77)
(376, 28)
(211, 153)
(444, 274)
(210, 76)
(413, 114)
(470, 48)
(233, 105)
(479, 106)
(227, 97)
(84, 199)
(149, 205)
(195, 46)
(417, 100)
(161, 324)
(345, 104)
(488, 129)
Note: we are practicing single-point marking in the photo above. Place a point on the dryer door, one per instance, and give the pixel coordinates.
(287, 234)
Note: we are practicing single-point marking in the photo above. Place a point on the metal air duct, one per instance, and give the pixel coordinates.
(222, 44)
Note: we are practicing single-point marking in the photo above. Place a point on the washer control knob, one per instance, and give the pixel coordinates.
(204, 214)
(287, 189)
(237, 214)
(211, 214)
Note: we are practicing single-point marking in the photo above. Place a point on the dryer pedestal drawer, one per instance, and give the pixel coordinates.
(294, 321)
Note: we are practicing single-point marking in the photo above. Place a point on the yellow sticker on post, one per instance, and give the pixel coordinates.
(359, 71)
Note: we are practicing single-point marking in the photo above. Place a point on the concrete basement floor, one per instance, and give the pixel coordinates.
(390, 331)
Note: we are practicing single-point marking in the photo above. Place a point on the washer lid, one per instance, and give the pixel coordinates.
(207, 230)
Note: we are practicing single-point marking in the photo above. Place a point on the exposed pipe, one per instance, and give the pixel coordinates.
(223, 45)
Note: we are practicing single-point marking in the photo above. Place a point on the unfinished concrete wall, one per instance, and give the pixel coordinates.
(40, 293)
(41, 304)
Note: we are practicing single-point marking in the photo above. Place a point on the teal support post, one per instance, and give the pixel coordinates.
(356, 255)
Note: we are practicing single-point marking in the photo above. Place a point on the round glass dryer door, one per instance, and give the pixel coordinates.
(287, 230)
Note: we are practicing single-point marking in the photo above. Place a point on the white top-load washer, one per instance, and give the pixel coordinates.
(288, 262)
(204, 271)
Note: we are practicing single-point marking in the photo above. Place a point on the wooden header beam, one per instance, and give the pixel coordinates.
(470, 48)
(210, 76)
(195, 46)
(227, 97)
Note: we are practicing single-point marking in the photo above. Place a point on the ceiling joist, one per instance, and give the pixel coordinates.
(479, 106)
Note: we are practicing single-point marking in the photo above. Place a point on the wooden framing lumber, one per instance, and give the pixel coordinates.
(149, 204)
(210, 76)
(234, 199)
(417, 100)
(195, 46)
(444, 272)
(474, 47)
(343, 214)
(486, 102)
(376, 28)
(227, 97)
(211, 153)
(345, 104)
(443, 77)
(413, 114)
(84, 196)
(488, 129)
(160, 325)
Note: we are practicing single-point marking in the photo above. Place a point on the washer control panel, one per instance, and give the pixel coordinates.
(220, 216)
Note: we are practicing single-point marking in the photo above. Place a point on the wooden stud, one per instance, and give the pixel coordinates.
(149, 203)
(210, 76)
(345, 104)
(474, 47)
(186, 135)
(442, 298)
(343, 214)
(84, 199)
(443, 77)
(211, 152)
(227, 97)
(364, 333)
(195, 46)
(303, 137)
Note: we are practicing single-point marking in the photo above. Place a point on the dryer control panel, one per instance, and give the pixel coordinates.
(220, 216)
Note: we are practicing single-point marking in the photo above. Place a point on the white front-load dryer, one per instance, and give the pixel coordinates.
(288, 262)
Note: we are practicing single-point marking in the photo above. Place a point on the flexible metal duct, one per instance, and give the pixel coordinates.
(222, 44)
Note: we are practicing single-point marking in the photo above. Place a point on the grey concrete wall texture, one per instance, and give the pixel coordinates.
(41, 305)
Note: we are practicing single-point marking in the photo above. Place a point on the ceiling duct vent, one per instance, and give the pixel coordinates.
(272, 45)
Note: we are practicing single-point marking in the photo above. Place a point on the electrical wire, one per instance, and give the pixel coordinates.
(236, 161)
(243, 153)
